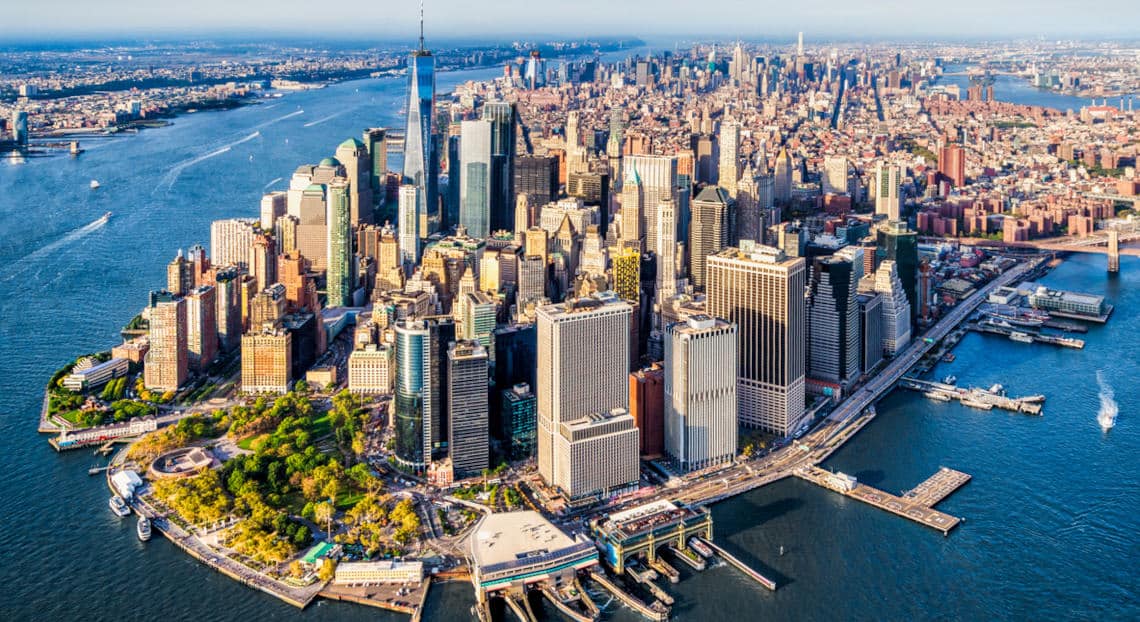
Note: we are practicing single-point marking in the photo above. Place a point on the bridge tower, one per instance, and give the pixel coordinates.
(1113, 250)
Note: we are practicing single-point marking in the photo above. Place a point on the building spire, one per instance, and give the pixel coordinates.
(421, 25)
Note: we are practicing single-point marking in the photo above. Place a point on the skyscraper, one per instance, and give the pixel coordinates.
(357, 162)
(376, 143)
(632, 209)
(408, 224)
(228, 314)
(468, 430)
(833, 320)
(420, 150)
(536, 178)
(952, 164)
(339, 279)
(870, 330)
(761, 290)
(266, 360)
(666, 249)
(201, 327)
(783, 175)
(520, 421)
(503, 117)
(179, 275)
(896, 308)
(414, 379)
(230, 240)
(475, 178)
(709, 231)
(887, 190)
(898, 243)
(626, 280)
(167, 362)
(729, 168)
(583, 362)
(700, 392)
(834, 178)
(658, 177)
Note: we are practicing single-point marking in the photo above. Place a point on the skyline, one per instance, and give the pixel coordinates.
(447, 20)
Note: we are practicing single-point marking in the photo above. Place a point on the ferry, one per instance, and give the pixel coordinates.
(143, 528)
(700, 547)
(1020, 336)
(120, 507)
(94, 184)
(1028, 319)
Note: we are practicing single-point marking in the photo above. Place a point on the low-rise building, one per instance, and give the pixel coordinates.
(378, 572)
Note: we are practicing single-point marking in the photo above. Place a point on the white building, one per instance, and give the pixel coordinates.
(231, 239)
(887, 190)
(379, 572)
(896, 308)
(408, 224)
(700, 392)
(596, 454)
(372, 369)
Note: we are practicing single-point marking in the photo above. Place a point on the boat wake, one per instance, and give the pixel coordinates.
(21, 265)
(176, 171)
(324, 119)
(271, 183)
(278, 119)
(1108, 407)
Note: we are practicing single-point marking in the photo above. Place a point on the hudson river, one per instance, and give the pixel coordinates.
(1051, 514)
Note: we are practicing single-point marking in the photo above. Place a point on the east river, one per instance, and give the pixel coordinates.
(1052, 513)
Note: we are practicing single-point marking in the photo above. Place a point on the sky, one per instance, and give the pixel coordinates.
(392, 20)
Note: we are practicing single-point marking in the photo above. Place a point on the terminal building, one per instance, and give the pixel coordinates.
(513, 550)
(647, 528)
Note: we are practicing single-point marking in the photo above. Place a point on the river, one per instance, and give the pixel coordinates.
(1051, 514)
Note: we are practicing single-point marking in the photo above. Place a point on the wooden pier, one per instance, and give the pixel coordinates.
(915, 505)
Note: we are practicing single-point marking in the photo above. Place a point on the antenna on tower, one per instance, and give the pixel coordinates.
(421, 25)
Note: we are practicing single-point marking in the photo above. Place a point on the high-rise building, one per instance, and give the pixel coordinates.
(899, 244)
(357, 162)
(783, 177)
(952, 164)
(729, 167)
(761, 290)
(415, 380)
(273, 206)
(888, 184)
(520, 421)
(658, 176)
(179, 275)
(833, 320)
(705, 162)
(594, 455)
(536, 178)
(627, 274)
(20, 127)
(167, 361)
(647, 405)
(834, 175)
(468, 441)
(503, 117)
(339, 279)
(896, 308)
(262, 265)
(700, 392)
(531, 278)
(230, 240)
(312, 230)
(376, 143)
(666, 249)
(475, 178)
(201, 327)
(709, 230)
(227, 285)
(372, 369)
(583, 362)
(408, 225)
(266, 360)
(421, 160)
(632, 211)
(870, 330)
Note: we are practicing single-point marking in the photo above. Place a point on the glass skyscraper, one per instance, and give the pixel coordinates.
(503, 117)
(475, 182)
(414, 380)
(339, 276)
(420, 162)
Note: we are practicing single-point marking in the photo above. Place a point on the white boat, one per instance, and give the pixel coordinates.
(951, 379)
(143, 528)
(700, 548)
(94, 184)
(120, 507)
(1020, 336)
(937, 395)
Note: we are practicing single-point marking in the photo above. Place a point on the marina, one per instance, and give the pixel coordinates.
(982, 399)
(1022, 335)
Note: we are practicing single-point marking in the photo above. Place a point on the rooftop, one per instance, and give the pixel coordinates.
(510, 536)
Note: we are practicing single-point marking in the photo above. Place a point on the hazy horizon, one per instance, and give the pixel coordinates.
(395, 23)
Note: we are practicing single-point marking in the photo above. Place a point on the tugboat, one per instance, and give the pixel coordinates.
(143, 528)
(120, 507)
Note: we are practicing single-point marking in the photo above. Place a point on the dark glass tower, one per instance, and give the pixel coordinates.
(421, 166)
(504, 121)
(898, 243)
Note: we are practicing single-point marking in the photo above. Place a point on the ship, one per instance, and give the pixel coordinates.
(1020, 336)
(700, 547)
(143, 528)
(94, 184)
(1028, 319)
(120, 507)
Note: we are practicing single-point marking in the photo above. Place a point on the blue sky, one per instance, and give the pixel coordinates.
(729, 19)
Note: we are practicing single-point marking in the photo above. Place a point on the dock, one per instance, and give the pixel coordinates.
(743, 567)
(914, 505)
(982, 399)
(688, 557)
(656, 611)
(562, 604)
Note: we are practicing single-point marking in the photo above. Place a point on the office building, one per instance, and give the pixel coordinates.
(583, 362)
(594, 455)
(372, 369)
(834, 177)
(700, 392)
(273, 206)
(167, 362)
(647, 405)
(728, 171)
(899, 244)
(468, 442)
(421, 157)
(658, 178)
(339, 279)
(417, 384)
(783, 177)
(408, 225)
(376, 143)
(888, 186)
(833, 320)
(312, 228)
(536, 178)
(761, 290)
(870, 330)
(632, 211)
(666, 228)
(709, 230)
(896, 308)
(475, 178)
(201, 327)
(520, 421)
(503, 118)
(626, 269)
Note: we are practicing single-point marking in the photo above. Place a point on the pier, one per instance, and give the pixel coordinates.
(743, 567)
(981, 399)
(1025, 335)
(914, 505)
(656, 611)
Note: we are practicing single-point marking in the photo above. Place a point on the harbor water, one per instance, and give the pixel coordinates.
(1051, 515)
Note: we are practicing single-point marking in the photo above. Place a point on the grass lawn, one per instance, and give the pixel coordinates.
(322, 426)
(349, 500)
(71, 416)
(248, 443)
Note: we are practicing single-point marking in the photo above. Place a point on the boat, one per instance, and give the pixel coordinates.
(951, 379)
(700, 547)
(143, 528)
(1021, 337)
(94, 184)
(948, 357)
(937, 396)
(120, 507)
(974, 404)
(105, 217)
(1029, 319)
